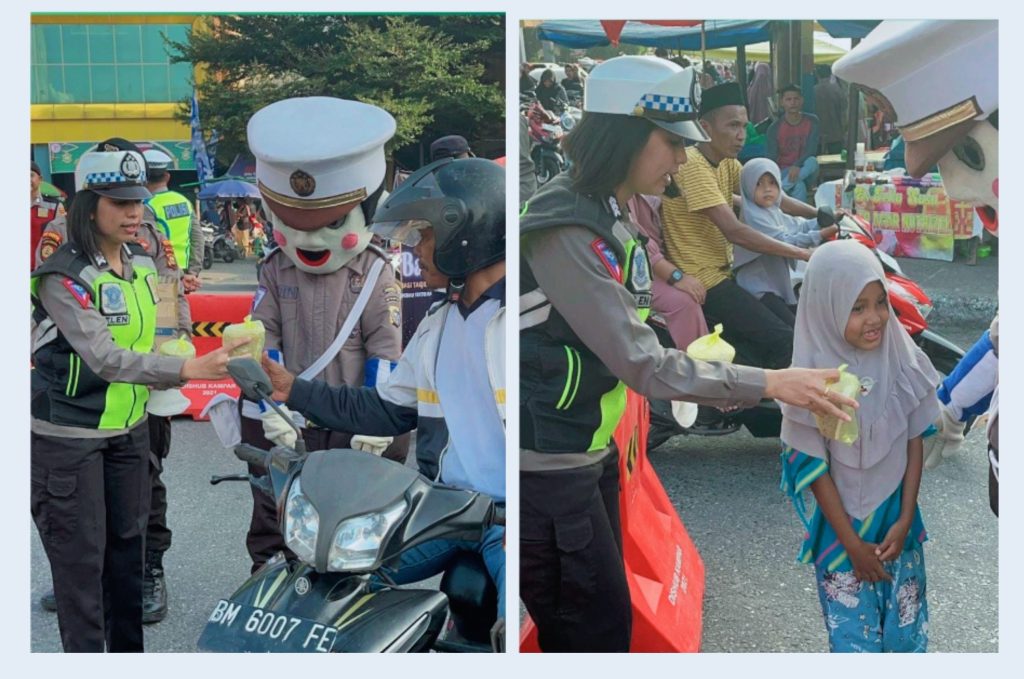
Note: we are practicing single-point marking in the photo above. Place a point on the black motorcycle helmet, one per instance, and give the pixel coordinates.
(463, 200)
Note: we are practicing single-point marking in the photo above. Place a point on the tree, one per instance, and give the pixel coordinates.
(434, 74)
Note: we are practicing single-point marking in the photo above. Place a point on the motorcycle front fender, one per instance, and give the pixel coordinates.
(363, 616)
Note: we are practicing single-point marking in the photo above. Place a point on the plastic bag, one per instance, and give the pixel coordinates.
(180, 347)
(711, 347)
(832, 427)
(247, 329)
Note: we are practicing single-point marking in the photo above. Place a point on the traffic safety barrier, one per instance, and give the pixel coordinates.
(663, 568)
(211, 314)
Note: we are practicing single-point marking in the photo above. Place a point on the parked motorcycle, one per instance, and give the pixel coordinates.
(546, 132)
(219, 245)
(208, 237)
(348, 515)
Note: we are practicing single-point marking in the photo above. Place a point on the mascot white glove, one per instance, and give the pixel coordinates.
(371, 444)
(277, 429)
(945, 442)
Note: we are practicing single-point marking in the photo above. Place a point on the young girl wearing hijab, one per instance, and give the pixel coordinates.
(767, 276)
(865, 535)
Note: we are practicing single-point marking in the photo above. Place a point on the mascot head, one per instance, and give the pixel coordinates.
(320, 168)
(940, 81)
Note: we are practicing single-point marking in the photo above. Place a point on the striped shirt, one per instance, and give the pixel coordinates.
(692, 240)
(821, 545)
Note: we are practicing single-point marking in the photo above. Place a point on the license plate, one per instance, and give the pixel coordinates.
(235, 627)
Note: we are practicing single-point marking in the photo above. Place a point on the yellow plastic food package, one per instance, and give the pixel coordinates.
(178, 347)
(247, 329)
(832, 427)
(711, 347)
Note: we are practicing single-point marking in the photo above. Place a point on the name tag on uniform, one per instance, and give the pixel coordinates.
(112, 301)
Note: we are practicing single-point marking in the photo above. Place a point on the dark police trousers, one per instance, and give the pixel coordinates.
(90, 503)
(571, 573)
(158, 535)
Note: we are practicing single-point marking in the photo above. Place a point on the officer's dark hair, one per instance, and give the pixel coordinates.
(601, 147)
(155, 175)
(81, 221)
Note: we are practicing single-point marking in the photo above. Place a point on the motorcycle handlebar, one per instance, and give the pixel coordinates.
(252, 455)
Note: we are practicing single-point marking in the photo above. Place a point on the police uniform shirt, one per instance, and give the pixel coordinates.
(56, 234)
(603, 314)
(85, 329)
(303, 313)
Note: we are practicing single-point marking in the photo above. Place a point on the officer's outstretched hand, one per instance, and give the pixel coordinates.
(280, 378)
(808, 388)
(211, 366)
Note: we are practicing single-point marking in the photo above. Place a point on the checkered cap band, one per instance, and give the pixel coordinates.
(667, 103)
(101, 179)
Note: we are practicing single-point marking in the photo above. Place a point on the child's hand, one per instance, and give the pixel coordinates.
(866, 564)
(892, 545)
(829, 232)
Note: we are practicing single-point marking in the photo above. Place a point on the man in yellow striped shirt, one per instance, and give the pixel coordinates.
(700, 228)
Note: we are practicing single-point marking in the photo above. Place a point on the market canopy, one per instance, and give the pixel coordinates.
(848, 28)
(824, 52)
(613, 27)
(718, 33)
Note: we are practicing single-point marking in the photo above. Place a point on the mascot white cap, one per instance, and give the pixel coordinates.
(939, 80)
(320, 168)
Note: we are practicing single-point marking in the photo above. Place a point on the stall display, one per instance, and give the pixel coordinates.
(912, 216)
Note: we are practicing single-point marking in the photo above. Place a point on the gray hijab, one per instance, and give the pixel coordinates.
(898, 379)
(769, 221)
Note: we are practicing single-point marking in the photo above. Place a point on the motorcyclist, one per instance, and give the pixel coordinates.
(450, 382)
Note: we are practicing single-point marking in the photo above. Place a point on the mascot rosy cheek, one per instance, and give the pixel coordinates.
(325, 249)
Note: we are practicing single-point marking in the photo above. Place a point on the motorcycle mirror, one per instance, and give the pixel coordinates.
(248, 375)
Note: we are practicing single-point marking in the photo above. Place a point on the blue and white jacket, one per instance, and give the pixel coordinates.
(408, 399)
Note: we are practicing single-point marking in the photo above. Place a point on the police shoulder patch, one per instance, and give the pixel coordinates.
(261, 292)
(48, 244)
(608, 258)
(78, 292)
(169, 254)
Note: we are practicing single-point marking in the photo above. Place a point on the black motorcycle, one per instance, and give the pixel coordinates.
(348, 515)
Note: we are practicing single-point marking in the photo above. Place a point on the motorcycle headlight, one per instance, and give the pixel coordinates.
(358, 540)
(301, 523)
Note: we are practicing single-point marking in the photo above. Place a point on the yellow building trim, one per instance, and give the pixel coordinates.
(127, 111)
(77, 130)
(79, 19)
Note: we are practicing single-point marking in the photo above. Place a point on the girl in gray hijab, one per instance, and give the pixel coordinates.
(760, 274)
(865, 535)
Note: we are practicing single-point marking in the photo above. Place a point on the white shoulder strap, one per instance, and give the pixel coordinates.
(346, 328)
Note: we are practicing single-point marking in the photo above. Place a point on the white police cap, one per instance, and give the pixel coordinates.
(319, 152)
(158, 160)
(120, 175)
(935, 74)
(649, 87)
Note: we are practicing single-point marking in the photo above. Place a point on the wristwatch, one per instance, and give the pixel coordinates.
(675, 276)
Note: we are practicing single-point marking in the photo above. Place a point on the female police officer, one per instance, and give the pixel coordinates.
(585, 292)
(94, 317)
